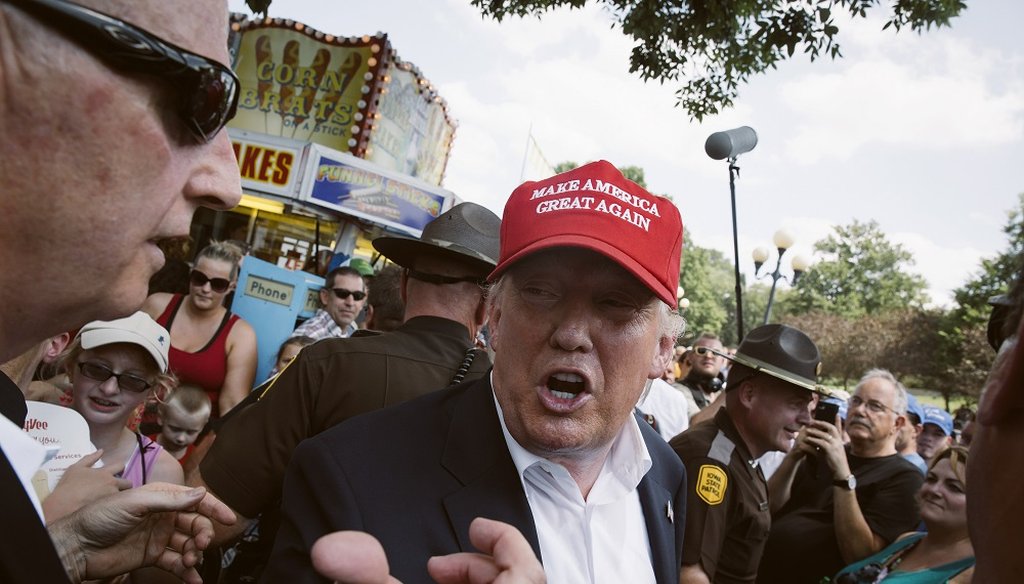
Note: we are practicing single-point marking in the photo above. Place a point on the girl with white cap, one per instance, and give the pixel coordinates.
(114, 366)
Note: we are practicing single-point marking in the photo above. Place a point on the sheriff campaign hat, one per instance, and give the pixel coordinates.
(467, 232)
(783, 352)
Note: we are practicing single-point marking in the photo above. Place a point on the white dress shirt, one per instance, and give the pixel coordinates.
(669, 407)
(600, 540)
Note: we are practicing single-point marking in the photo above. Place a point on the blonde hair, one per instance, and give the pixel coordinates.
(957, 456)
(224, 251)
(192, 399)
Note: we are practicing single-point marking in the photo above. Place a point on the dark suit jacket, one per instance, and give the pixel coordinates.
(416, 475)
(330, 382)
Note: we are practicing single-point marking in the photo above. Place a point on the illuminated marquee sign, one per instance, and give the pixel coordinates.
(305, 85)
(410, 130)
(266, 163)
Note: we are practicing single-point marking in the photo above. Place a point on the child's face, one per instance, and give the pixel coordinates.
(179, 428)
(288, 353)
(106, 402)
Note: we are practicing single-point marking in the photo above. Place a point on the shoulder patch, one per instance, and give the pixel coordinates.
(711, 484)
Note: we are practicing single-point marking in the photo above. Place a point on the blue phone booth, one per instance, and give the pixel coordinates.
(271, 299)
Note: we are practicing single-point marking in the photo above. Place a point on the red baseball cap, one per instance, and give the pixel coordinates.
(595, 207)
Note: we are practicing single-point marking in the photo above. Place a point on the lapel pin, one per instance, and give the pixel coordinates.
(669, 512)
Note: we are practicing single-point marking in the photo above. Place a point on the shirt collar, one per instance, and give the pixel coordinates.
(725, 424)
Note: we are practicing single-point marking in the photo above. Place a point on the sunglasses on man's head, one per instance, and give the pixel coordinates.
(101, 373)
(342, 294)
(197, 278)
(208, 89)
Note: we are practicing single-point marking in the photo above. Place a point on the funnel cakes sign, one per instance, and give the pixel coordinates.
(305, 85)
(345, 183)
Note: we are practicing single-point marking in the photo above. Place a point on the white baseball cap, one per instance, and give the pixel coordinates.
(138, 329)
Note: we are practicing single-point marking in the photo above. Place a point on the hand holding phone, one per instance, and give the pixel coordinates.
(826, 411)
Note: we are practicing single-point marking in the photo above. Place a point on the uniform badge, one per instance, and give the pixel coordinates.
(711, 484)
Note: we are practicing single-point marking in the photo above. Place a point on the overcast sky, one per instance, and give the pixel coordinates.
(923, 133)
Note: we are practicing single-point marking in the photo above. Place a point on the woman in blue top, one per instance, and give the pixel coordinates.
(944, 552)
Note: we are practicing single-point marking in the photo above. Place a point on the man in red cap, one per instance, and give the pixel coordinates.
(582, 319)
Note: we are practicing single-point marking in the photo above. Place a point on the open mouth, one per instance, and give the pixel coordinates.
(566, 385)
(103, 403)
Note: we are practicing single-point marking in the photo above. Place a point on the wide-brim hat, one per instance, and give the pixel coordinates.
(783, 352)
(595, 207)
(138, 329)
(467, 232)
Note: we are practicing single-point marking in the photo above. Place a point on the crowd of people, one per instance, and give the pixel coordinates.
(505, 404)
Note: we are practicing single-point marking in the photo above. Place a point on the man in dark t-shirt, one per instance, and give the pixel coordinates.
(833, 505)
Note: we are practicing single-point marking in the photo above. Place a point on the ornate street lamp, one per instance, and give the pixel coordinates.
(783, 240)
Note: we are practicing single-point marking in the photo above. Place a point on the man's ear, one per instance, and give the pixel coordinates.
(55, 346)
(662, 357)
(900, 420)
(368, 321)
(324, 298)
(480, 315)
(747, 393)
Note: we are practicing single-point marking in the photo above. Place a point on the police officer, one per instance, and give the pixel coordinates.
(769, 391)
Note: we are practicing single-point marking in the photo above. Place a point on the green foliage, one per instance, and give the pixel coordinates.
(995, 274)
(707, 279)
(565, 166)
(860, 273)
(635, 174)
(964, 354)
(902, 341)
(714, 46)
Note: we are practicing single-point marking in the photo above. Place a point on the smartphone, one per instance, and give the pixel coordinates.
(826, 411)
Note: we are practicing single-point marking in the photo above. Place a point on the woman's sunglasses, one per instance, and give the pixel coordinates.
(199, 279)
(208, 89)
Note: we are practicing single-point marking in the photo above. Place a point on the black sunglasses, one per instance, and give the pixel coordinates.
(197, 278)
(125, 381)
(343, 294)
(209, 90)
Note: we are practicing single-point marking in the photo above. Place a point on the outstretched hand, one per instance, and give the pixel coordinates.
(159, 524)
(352, 557)
(506, 558)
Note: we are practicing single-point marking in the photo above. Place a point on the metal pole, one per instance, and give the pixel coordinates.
(775, 280)
(734, 172)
